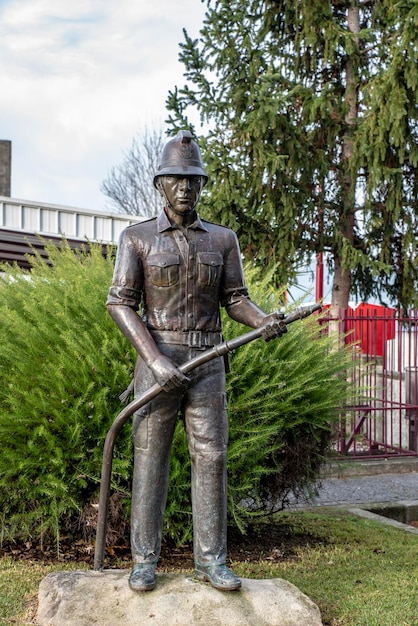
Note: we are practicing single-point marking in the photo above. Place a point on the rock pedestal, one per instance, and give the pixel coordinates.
(104, 599)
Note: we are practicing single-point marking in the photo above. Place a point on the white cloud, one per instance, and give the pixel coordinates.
(79, 79)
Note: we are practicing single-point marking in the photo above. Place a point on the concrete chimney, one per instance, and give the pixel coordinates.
(5, 167)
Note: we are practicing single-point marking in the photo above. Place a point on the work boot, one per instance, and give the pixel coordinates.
(142, 577)
(219, 576)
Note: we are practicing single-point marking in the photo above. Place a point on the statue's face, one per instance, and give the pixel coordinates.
(182, 192)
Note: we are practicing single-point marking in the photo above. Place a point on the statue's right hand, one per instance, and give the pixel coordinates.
(167, 374)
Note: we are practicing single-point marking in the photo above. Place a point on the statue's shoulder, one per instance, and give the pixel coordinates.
(145, 223)
(142, 226)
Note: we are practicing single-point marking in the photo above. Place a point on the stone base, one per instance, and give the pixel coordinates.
(104, 599)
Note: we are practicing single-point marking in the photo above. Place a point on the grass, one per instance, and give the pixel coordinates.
(19, 582)
(359, 572)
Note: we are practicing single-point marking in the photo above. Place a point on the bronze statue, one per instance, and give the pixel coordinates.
(178, 269)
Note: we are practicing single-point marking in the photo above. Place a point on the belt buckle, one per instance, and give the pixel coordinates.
(195, 339)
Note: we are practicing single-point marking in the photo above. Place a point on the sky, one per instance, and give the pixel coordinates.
(79, 78)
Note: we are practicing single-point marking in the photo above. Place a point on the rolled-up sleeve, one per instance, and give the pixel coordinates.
(234, 289)
(127, 283)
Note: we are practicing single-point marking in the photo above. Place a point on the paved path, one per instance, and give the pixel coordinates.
(364, 489)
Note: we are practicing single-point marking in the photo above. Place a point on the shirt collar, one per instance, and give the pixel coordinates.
(163, 223)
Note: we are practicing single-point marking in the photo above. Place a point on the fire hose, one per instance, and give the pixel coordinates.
(217, 351)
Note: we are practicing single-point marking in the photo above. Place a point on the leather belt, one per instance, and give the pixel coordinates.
(190, 338)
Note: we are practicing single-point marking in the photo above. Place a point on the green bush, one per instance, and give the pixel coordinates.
(63, 364)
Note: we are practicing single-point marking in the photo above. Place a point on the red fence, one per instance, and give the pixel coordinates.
(383, 419)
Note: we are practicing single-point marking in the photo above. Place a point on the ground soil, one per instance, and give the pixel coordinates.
(267, 542)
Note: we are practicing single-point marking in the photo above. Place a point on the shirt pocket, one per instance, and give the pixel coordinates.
(209, 267)
(164, 269)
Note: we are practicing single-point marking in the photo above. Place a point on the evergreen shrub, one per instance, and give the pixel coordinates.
(63, 364)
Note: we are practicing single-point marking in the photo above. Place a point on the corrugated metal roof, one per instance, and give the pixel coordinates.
(16, 246)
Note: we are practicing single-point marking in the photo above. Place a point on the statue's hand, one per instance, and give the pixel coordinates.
(167, 374)
(274, 326)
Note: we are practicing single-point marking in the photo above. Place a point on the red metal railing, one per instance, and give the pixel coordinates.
(382, 421)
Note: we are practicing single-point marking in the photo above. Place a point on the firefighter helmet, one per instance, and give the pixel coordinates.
(181, 156)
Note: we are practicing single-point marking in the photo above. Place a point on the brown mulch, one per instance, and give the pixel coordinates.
(267, 542)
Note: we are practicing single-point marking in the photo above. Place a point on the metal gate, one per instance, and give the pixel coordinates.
(383, 421)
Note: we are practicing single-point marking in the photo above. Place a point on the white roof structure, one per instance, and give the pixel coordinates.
(25, 223)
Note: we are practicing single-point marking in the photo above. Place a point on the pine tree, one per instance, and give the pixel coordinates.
(309, 116)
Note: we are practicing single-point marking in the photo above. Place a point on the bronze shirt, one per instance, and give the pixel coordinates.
(179, 277)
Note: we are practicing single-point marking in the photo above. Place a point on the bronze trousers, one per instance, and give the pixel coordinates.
(202, 406)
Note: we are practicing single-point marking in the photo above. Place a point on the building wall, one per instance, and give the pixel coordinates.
(5, 167)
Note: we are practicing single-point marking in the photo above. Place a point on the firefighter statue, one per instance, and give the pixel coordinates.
(172, 274)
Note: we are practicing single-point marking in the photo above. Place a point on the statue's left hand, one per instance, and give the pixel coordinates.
(274, 326)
